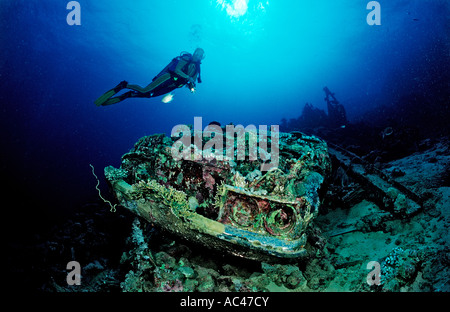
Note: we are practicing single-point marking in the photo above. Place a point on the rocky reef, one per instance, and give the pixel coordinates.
(177, 268)
(119, 251)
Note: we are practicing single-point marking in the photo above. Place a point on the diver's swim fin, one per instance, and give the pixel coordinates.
(111, 101)
(117, 99)
(102, 99)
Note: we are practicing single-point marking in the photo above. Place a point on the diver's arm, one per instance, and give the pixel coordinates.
(179, 72)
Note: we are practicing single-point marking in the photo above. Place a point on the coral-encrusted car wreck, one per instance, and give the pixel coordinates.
(226, 204)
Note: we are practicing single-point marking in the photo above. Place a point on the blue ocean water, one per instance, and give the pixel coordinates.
(264, 61)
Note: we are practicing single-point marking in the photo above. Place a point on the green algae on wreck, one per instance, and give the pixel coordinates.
(225, 204)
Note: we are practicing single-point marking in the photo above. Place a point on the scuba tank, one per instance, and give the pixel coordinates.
(170, 68)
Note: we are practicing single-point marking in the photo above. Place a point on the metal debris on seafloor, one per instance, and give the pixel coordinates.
(384, 191)
(228, 205)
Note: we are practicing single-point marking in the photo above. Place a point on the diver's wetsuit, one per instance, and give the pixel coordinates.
(166, 81)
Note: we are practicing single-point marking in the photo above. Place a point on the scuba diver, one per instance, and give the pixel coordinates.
(182, 70)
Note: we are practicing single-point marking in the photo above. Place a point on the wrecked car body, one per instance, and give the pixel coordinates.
(229, 204)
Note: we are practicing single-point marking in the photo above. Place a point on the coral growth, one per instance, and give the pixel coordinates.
(268, 212)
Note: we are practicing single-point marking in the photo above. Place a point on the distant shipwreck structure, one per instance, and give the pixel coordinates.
(337, 117)
(313, 117)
